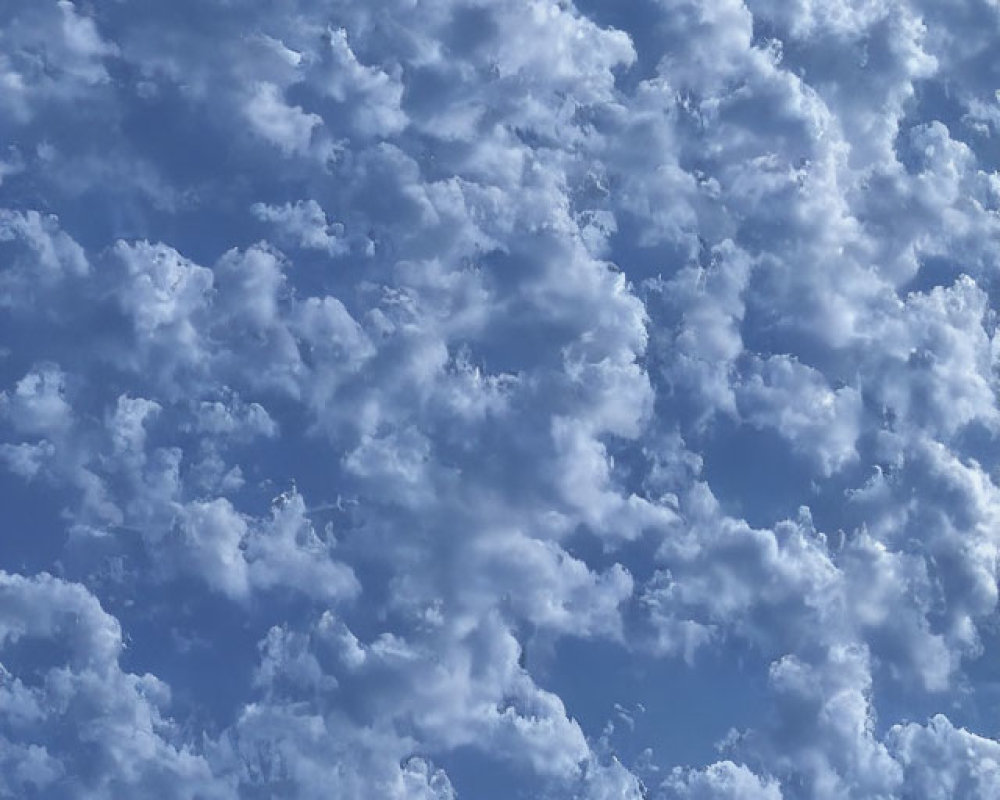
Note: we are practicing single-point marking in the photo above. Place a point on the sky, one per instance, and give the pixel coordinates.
(481, 399)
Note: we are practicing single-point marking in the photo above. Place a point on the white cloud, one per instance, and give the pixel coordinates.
(287, 127)
(723, 780)
(303, 224)
(163, 292)
(55, 253)
(53, 55)
(114, 735)
(544, 286)
(944, 761)
(235, 419)
(37, 404)
(285, 551)
(40, 256)
(366, 94)
(819, 422)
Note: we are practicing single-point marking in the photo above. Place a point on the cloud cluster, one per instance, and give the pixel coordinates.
(360, 355)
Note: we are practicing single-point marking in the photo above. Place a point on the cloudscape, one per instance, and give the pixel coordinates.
(498, 399)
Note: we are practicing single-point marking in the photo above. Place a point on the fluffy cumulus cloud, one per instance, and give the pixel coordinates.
(499, 398)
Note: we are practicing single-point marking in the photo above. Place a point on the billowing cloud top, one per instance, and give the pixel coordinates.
(499, 398)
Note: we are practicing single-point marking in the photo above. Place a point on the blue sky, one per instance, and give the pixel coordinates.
(499, 399)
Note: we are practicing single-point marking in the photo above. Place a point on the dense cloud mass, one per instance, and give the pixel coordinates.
(435, 399)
